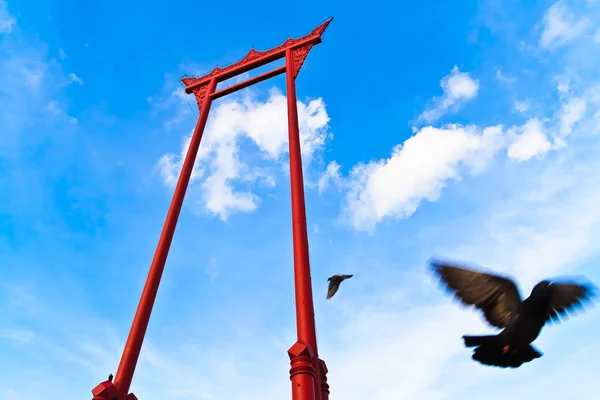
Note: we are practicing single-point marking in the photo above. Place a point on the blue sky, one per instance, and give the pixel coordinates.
(468, 132)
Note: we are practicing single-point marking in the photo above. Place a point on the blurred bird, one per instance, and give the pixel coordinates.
(334, 283)
(521, 321)
(110, 377)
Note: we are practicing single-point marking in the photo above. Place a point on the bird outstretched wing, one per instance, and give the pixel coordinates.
(565, 297)
(497, 296)
(334, 283)
(333, 288)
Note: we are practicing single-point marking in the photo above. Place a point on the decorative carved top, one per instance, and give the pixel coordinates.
(299, 56)
(200, 94)
(254, 54)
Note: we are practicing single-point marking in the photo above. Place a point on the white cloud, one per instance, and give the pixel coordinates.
(218, 162)
(55, 109)
(571, 112)
(522, 106)
(528, 141)
(458, 88)
(417, 171)
(266, 125)
(62, 54)
(75, 78)
(563, 84)
(503, 78)
(579, 106)
(7, 21)
(561, 26)
(331, 175)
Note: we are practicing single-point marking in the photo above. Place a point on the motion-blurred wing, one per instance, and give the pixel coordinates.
(497, 296)
(565, 297)
(334, 285)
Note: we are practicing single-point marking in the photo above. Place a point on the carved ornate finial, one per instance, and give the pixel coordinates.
(253, 54)
(300, 55)
(200, 94)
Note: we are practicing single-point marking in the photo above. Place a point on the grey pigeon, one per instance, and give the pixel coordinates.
(521, 321)
(334, 283)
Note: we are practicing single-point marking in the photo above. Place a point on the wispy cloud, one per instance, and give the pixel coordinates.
(18, 335)
(503, 78)
(31, 82)
(75, 78)
(331, 176)
(561, 25)
(522, 106)
(213, 269)
(459, 87)
(7, 21)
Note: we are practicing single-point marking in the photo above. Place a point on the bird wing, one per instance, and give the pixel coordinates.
(334, 285)
(565, 297)
(498, 297)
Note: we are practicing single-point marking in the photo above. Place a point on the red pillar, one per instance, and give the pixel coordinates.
(135, 339)
(305, 313)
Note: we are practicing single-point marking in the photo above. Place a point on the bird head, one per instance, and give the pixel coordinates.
(541, 287)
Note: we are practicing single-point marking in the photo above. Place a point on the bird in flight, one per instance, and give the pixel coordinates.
(334, 283)
(521, 321)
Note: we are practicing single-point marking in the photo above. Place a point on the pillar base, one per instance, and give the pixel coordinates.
(108, 391)
(324, 385)
(105, 391)
(302, 371)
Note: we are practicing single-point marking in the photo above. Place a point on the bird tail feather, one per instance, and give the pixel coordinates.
(474, 341)
(494, 356)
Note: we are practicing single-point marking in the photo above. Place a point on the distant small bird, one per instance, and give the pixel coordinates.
(334, 283)
(521, 321)
(110, 377)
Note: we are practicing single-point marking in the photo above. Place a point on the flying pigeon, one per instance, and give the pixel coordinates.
(521, 321)
(334, 283)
